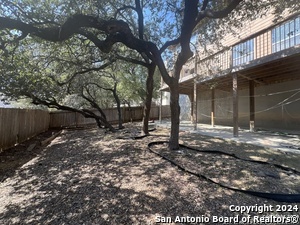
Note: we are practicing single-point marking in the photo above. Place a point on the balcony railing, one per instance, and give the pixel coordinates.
(281, 37)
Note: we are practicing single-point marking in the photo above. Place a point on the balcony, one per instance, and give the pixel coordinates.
(270, 56)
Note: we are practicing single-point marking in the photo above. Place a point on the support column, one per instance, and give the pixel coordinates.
(252, 106)
(195, 119)
(212, 114)
(160, 108)
(235, 105)
(195, 105)
(191, 98)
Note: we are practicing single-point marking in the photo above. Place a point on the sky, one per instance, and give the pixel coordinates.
(4, 106)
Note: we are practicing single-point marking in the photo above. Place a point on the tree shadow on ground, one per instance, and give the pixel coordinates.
(13, 158)
(242, 150)
(84, 177)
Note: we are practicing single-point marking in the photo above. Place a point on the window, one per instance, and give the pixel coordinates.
(286, 35)
(243, 53)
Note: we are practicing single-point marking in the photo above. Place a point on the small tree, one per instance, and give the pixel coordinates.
(39, 75)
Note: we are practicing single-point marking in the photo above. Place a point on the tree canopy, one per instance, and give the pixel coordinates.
(72, 74)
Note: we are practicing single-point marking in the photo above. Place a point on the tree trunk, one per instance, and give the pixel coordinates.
(99, 124)
(130, 111)
(118, 108)
(109, 126)
(175, 113)
(148, 101)
(99, 119)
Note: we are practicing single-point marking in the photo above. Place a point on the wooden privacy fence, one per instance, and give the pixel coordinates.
(66, 118)
(17, 125)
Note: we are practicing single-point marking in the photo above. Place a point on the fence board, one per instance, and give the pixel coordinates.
(17, 125)
(70, 119)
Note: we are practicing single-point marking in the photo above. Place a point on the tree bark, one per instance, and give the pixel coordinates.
(120, 122)
(130, 111)
(148, 101)
(85, 112)
(118, 108)
(99, 119)
(175, 113)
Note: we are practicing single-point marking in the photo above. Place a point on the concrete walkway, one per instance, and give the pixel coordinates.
(268, 139)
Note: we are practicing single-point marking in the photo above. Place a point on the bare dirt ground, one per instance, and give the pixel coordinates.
(89, 177)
